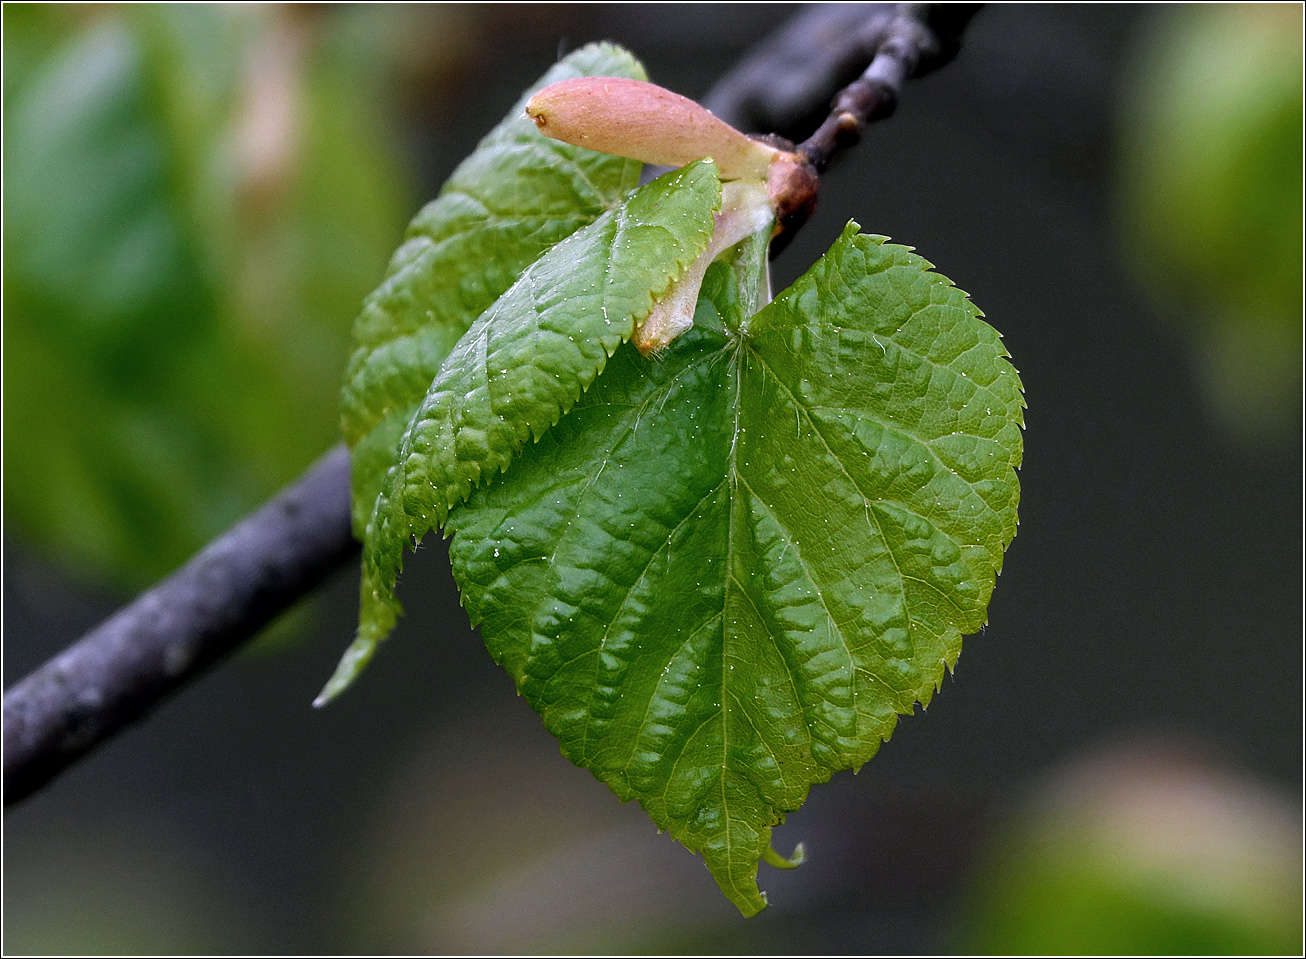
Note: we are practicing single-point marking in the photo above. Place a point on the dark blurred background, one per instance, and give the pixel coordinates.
(197, 198)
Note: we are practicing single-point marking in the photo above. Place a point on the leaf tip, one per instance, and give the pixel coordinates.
(347, 670)
(777, 861)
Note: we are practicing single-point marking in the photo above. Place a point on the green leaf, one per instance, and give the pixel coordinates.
(515, 197)
(723, 575)
(521, 366)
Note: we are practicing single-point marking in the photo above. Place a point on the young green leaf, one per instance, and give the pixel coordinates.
(515, 197)
(725, 573)
(521, 366)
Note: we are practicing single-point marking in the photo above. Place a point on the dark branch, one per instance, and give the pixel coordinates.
(221, 598)
(269, 561)
(916, 39)
(823, 49)
(784, 86)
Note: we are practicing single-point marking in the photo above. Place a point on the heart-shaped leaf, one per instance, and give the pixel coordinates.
(725, 573)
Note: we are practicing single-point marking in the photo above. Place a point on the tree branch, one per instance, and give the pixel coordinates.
(914, 40)
(174, 631)
(273, 558)
(784, 86)
(821, 49)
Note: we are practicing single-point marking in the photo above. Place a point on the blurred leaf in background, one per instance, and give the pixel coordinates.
(1211, 198)
(196, 200)
(1142, 849)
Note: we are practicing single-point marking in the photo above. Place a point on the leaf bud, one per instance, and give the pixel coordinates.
(643, 121)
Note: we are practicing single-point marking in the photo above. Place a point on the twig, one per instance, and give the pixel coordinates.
(169, 634)
(270, 560)
(918, 38)
(821, 49)
(784, 86)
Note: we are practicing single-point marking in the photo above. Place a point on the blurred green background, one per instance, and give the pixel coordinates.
(195, 201)
(195, 198)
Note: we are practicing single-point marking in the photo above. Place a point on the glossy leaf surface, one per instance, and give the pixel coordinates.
(521, 366)
(724, 574)
(515, 197)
